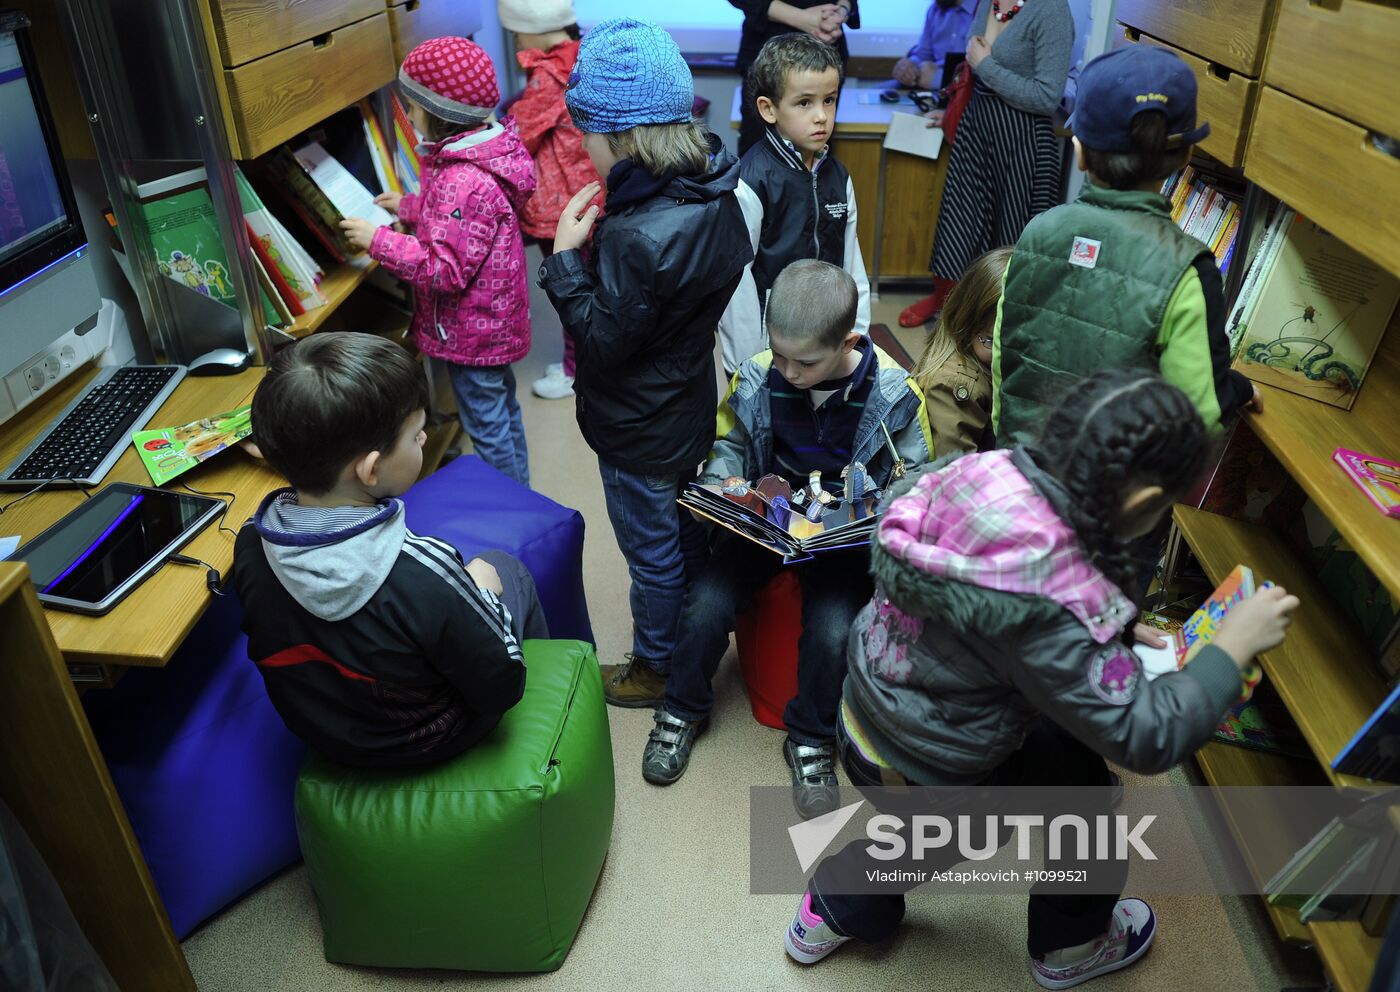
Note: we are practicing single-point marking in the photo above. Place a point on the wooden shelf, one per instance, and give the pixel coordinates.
(339, 282)
(1265, 853)
(1323, 672)
(1348, 952)
(1303, 433)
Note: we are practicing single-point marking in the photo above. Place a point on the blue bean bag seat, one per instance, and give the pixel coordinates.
(486, 861)
(472, 507)
(205, 768)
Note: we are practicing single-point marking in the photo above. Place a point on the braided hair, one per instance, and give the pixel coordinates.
(1115, 430)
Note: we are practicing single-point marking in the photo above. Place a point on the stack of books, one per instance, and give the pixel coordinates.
(1204, 211)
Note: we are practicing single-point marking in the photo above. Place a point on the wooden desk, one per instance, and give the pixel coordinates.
(146, 627)
(897, 195)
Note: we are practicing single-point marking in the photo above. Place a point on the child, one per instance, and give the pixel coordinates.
(546, 43)
(465, 259)
(1003, 602)
(642, 312)
(822, 400)
(1110, 281)
(953, 370)
(798, 200)
(378, 647)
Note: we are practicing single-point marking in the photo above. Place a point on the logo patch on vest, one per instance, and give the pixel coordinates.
(1113, 675)
(837, 210)
(1085, 252)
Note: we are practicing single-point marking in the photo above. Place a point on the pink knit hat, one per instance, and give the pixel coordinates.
(452, 78)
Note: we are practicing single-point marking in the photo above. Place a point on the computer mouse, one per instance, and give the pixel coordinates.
(890, 96)
(220, 361)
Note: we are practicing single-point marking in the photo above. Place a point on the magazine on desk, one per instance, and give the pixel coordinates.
(790, 524)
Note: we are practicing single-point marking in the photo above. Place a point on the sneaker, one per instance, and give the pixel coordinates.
(813, 777)
(808, 938)
(668, 747)
(1129, 936)
(555, 385)
(634, 685)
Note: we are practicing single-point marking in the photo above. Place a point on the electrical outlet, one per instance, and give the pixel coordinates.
(34, 377)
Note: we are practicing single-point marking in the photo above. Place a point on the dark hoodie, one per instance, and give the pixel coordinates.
(643, 312)
(377, 647)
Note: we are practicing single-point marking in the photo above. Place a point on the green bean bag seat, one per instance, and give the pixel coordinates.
(485, 862)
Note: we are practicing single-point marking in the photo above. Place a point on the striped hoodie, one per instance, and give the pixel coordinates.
(376, 646)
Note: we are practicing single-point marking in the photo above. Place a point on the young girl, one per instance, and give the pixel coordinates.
(546, 43)
(642, 312)
(465, 258)
(1003, 613)
(955, 369)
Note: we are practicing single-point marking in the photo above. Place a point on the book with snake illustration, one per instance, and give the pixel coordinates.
(1321, 313)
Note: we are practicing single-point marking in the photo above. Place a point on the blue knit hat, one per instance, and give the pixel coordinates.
(629, 73)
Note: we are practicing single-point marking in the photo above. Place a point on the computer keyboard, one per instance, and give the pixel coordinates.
(86, 438)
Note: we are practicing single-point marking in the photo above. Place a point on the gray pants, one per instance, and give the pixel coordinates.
(527, 620)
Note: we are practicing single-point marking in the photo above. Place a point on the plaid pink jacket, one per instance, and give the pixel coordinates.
(980, 521)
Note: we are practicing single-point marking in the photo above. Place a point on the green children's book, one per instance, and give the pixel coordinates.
(168, 451)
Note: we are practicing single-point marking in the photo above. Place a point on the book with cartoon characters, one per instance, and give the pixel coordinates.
(1378, 478)
(168, 451)
(1321, 311)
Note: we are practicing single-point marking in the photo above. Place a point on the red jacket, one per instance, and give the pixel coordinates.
(550, 137)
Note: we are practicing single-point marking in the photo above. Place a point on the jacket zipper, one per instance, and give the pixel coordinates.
(816, 216)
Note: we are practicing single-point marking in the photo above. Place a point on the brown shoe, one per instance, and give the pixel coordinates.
(634, 685)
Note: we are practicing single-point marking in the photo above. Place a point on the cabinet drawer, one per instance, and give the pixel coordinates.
(1224, 98)
(416, 21)
(249, 29)
(1230, 32)
(1346, 59)
(281, 94)
(1328, 169)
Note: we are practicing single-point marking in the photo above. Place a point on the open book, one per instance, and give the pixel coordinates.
(770, 515)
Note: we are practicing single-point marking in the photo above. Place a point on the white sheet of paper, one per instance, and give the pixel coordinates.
(8, 545)
(340, 185)
(1156, 661)
(911, 134)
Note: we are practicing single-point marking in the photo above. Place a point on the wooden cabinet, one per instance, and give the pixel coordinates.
(245, 30)
(1224, 98)
(1229, 32)
(412, 22)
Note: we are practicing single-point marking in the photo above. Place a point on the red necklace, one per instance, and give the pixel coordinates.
(1004, 16)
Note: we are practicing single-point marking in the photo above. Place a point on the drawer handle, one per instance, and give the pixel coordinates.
(1132, 34)
(1384, 144)
(1332, 5)
(1220, 72)
(323, 40)
(410, 7)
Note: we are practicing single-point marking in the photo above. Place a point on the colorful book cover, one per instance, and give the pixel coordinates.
(1320, 314)
(1200, 628)
(1378, 478)
(1264, 725)
(168, 451)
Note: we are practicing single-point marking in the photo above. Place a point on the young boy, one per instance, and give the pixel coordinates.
(378, 647)
(642, 310)
(822, 399)
(1110, 281)
(798, 200)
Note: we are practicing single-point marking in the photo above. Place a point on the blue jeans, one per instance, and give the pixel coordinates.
(491, 417)
(834, 588)
(663, 546)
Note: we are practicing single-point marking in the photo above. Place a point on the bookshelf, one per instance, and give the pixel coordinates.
(339, 282)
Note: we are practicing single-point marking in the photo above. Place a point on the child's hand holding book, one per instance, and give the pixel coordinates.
(1255, 625)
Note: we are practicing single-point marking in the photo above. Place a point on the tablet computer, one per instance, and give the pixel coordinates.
(103, 549)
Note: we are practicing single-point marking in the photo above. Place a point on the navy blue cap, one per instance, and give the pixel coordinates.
(1116, 87)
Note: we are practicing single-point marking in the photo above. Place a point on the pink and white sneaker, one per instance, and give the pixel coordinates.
(808, 938)
(1129, 936)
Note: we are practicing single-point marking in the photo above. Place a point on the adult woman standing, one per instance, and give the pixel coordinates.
(764, 19)
(1005, 165)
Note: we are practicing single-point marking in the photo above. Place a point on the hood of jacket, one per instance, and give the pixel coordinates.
(630, 185)
(331, 560)
(986, 524)
(495, 149)
(557, 61)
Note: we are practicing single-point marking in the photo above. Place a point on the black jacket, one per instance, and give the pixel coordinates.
(643, 311)
(376, 646)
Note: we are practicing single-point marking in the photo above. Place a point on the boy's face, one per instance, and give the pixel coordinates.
(806, 362)
(600, 153)
(398, 467)
(806, 112)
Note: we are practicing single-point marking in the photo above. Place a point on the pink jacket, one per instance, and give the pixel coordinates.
(550, 136)
(465, 259)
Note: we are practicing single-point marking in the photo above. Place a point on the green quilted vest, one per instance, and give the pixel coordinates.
(1086, 290)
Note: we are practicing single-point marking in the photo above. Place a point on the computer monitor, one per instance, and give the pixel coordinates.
(47, 283)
